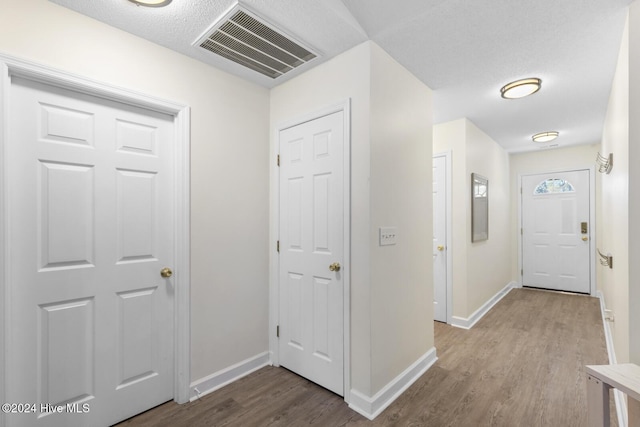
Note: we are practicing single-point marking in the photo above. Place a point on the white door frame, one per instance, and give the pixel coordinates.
(274, 219)
(12, 67)
(592, 220)
(449, 230)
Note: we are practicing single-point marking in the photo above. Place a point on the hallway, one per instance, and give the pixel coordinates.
(522, 364)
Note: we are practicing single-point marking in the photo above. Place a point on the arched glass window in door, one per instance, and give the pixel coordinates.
(554, 185)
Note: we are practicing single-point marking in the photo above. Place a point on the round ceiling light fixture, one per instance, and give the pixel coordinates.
(545, 136)
(521, 88)
(151, 3)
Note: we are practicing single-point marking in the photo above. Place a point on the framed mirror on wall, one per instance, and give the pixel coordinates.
(479, 208)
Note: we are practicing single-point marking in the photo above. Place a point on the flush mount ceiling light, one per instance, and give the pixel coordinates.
(521, 88)
(545, 136)
(151, 3)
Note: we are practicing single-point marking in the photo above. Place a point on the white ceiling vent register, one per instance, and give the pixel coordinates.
(240, 36)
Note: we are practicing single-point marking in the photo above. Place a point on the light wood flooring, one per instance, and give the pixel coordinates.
(521, 365)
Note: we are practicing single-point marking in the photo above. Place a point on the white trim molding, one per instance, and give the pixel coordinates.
(274, 233)
(371, 407)
(11, 67)
(618, 396)
(226, 376)
(469, 322)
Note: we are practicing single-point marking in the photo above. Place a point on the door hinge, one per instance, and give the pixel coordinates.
(520, 190)
(278, 246)
(521, 231)
(522, 272)
(277, 331)
(278, 161)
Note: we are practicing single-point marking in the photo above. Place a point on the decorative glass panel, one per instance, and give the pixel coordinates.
(554, 185)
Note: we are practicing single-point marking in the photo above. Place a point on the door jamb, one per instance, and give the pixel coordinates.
(274, 216)
(592, 219)
(449, 230)
(13, 67)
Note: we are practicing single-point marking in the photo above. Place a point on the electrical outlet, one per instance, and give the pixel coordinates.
(608, 315)
(388, 235)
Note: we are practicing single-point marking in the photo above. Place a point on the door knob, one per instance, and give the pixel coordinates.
(166, 272)
(440, 248)
(585, 238)
(335, 266)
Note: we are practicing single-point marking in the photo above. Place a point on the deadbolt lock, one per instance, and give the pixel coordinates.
(335, 266)
(584, 228)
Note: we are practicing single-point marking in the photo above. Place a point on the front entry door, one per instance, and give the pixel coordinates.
(311, 250)
(90, 208)
(439, 239)
(556, 231)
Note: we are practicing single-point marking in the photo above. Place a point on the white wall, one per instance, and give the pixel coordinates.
(390, 167)
(488, 269)
(229, 169)
(401, 196)
(613, 222)
(634, 182)
(478, 273)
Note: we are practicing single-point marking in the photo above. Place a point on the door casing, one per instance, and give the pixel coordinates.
(274, 218)
(11, 67)
(449, 231)
(592, 220)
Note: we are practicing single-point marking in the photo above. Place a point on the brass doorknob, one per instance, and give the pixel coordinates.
(335, 266)
(585, 238)
(440, 248)
(166, 272)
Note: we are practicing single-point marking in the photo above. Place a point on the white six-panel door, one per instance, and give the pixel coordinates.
(91, 226)
(311, 239)
(555, 247)
(439, 239)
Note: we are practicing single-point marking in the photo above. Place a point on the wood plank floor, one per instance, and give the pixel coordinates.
(521, 365)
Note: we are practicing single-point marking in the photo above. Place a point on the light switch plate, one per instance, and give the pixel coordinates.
(388, 235)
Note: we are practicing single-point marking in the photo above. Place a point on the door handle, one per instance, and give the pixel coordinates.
(440, 248)
(585, 238)
(335, 266)
(166, 272)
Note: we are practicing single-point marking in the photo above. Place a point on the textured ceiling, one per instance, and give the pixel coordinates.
(464, 50)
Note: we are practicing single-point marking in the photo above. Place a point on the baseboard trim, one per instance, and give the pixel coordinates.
(618, 396)
(371, 407)
(226, 376)
(468, 323)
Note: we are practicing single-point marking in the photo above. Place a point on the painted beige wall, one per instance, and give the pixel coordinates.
(401, 176)
(570, 158)
(634, 182)
(488, 266)
(390, 319)
(229, 169)
(613, 223)
(477, 277)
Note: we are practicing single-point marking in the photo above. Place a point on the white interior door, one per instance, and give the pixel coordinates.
(556, 231)
(91, 226)
(311, 240)
(440, 239)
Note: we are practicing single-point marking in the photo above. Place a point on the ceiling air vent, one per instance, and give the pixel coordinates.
(240, 36)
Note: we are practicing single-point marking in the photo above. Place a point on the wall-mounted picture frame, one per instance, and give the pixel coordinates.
(479, 208)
